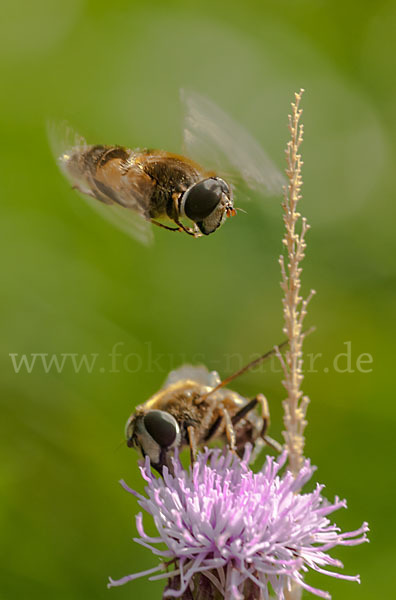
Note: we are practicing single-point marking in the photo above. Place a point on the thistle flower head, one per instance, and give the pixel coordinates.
(238, 528)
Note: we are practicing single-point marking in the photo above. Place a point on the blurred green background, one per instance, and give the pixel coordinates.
(71, 283)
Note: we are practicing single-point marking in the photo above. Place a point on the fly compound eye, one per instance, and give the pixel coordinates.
(162, 427)
(224, 186)
(202, 198)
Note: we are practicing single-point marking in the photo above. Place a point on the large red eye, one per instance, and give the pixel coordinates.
(162, 427)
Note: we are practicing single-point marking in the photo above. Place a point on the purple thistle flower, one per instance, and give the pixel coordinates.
(238, 528)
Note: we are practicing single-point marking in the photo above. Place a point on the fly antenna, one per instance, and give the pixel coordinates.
(252, 364)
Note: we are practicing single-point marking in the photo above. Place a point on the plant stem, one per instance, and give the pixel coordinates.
(294, 306)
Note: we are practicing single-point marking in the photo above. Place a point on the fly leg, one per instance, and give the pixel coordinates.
(244, 410)
(264, 413)
(259, 399)
(229, 429)
(164, 226)
(186, 229)
(266, 421)
(192, 443)
(180, 227)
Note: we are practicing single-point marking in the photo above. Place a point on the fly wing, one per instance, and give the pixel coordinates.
(64, 142)
(124, 209)
(214, 139)
(126, 220)
(63, 138)
(200, 374)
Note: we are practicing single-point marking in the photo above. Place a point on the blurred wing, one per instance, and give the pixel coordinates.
(214, 139)
(62, 139)
(200, 374)
(127, 215)
(125, 219)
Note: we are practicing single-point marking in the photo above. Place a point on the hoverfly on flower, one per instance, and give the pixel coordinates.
(194, 408)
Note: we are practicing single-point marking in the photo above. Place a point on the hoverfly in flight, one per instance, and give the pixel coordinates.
(194, 194)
